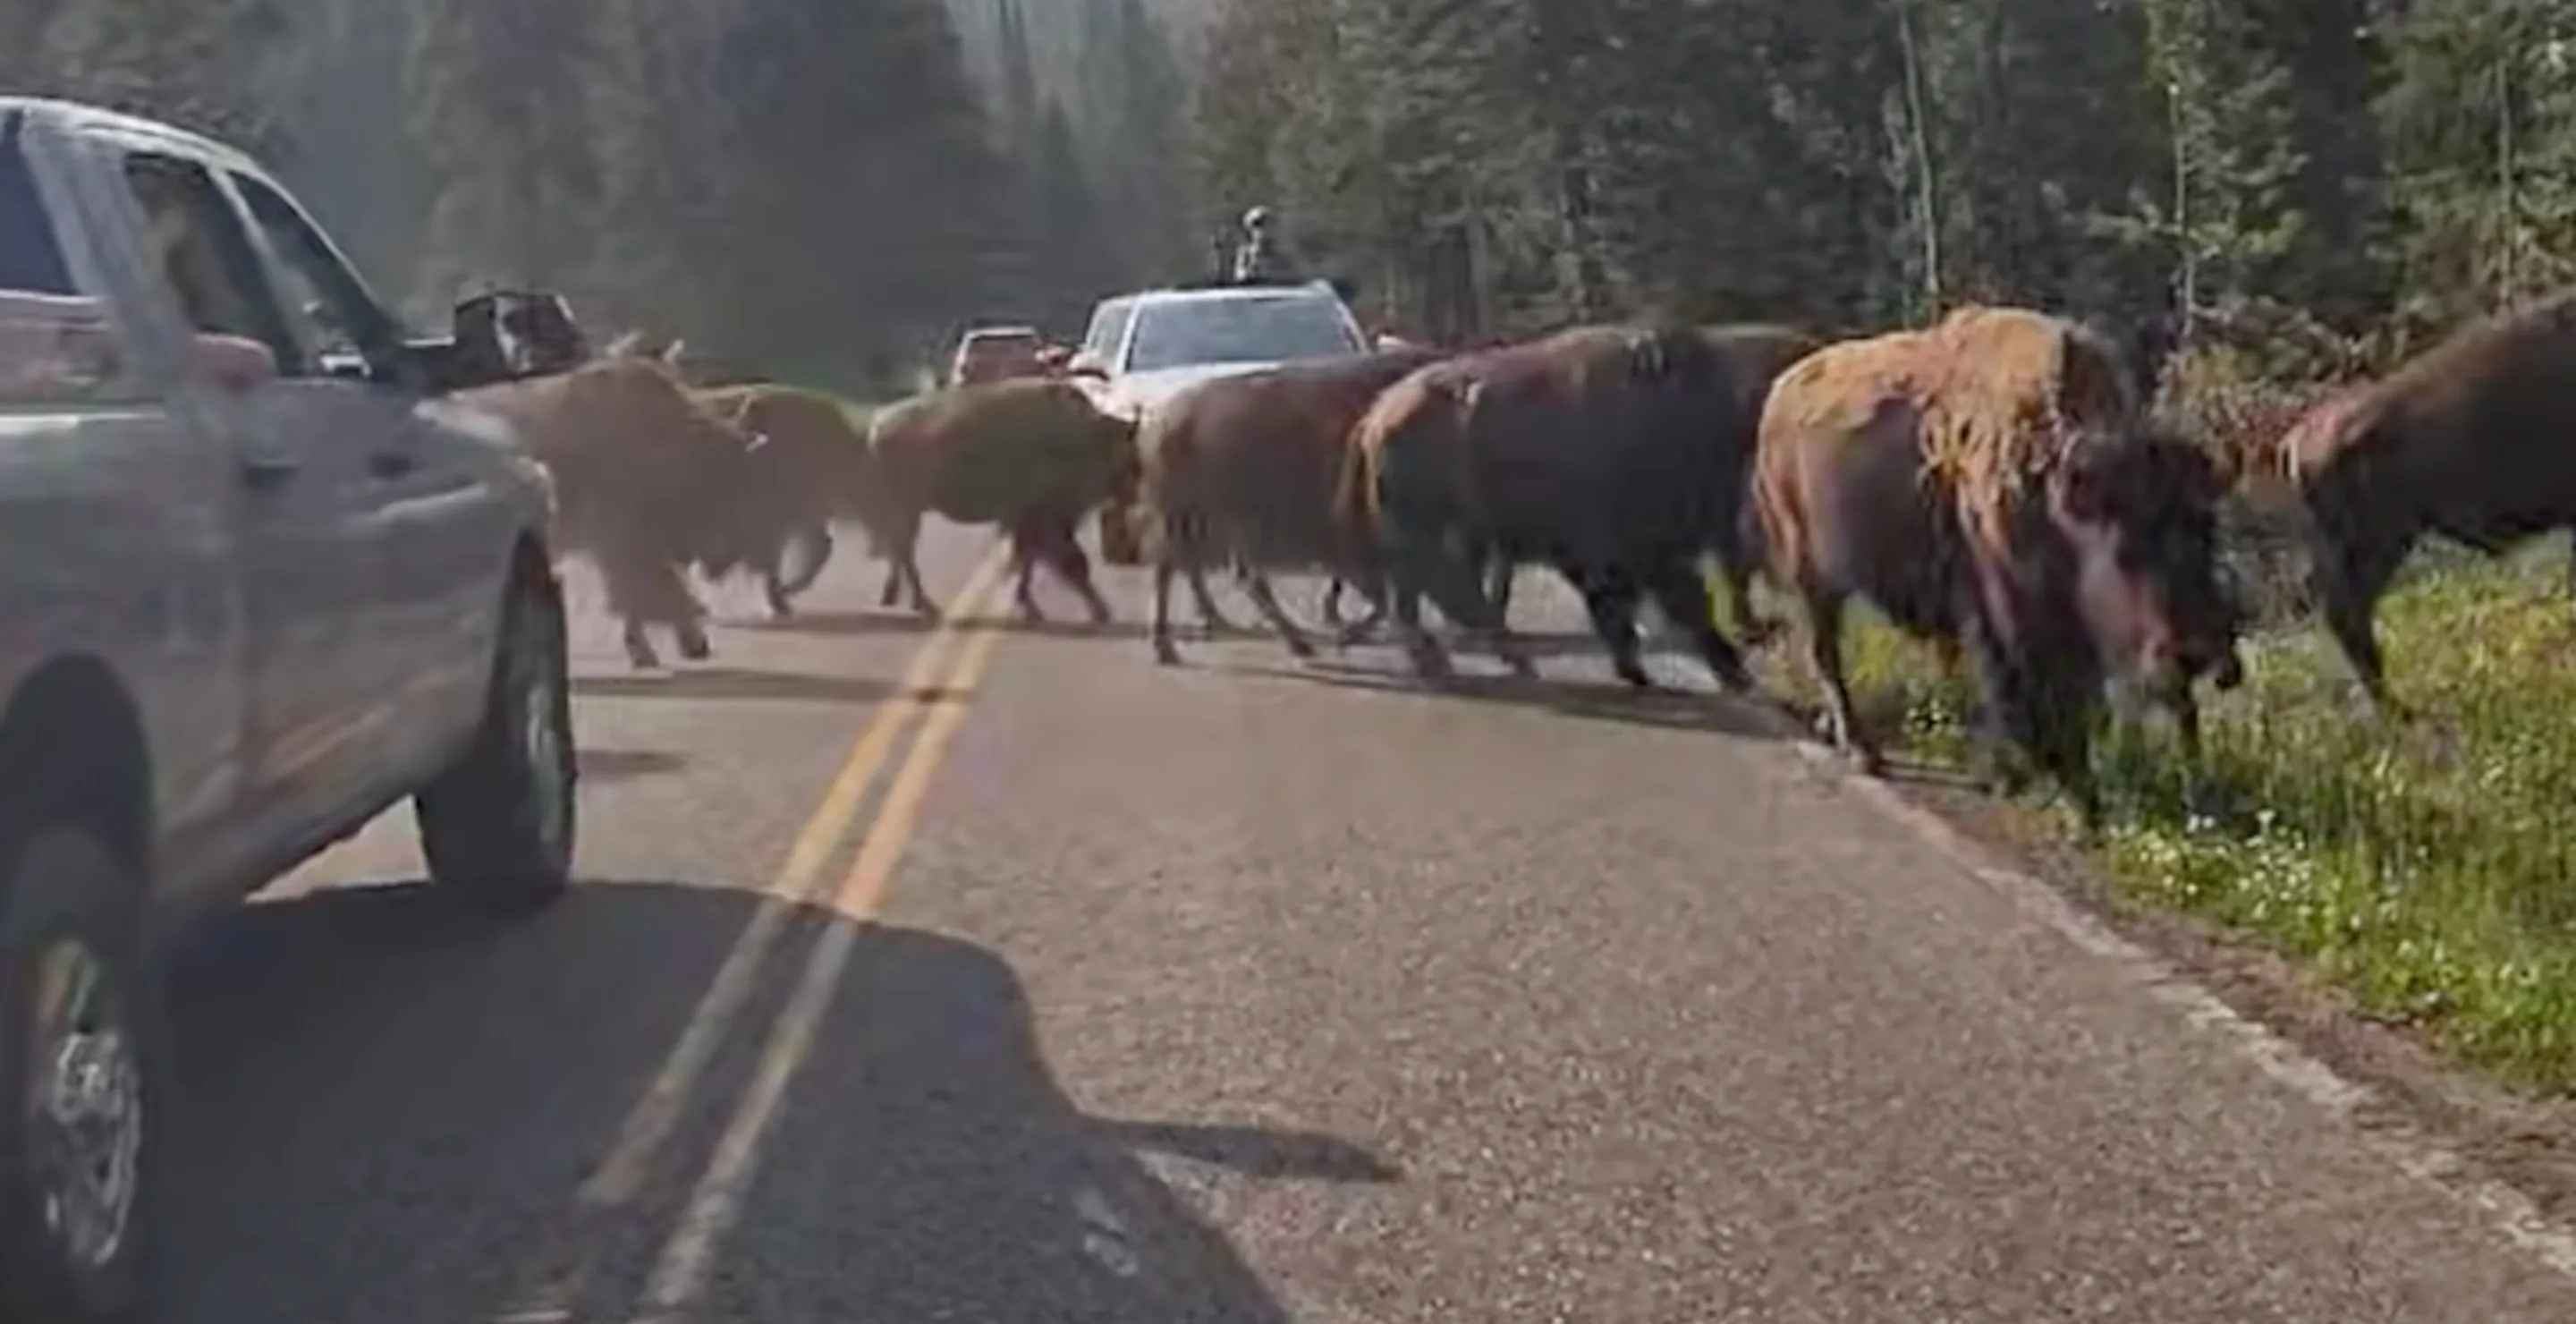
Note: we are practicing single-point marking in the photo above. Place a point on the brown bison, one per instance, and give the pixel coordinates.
(1757, 353)
(1990, 485)
(1243, 470)
(1030, 454)
(1610, 453)
(647, 483)
(815, 461)
(2463, 441)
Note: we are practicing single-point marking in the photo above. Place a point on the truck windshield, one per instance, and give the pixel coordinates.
(1263, 328)
(30, 259)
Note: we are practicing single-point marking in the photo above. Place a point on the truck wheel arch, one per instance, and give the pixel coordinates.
(72, 746)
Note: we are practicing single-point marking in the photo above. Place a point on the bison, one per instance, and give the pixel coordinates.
(1244, 468)
(647, 483)
(816, 467)
(1607, 452)
(2463, 441)
(1757, 353)
(1990, 485)
(1031, 454)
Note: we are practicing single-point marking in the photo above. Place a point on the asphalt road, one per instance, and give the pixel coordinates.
(1232, 992)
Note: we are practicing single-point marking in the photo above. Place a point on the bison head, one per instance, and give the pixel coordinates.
(2138, 511)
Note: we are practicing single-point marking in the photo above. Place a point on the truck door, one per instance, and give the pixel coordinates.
(420, 499)
(306, 578)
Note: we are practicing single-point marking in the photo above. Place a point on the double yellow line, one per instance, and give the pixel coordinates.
(934, 689)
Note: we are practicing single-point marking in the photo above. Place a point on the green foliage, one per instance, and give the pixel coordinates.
(809, 185)
(2424, 869)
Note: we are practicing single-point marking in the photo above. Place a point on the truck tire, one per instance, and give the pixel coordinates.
(498, 828)
(83, 1063)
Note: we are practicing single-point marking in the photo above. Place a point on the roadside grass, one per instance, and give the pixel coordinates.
(2426, 869)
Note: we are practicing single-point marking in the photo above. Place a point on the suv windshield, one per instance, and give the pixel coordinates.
(1256, 328)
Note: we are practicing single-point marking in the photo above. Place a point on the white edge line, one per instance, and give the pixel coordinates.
(2403, 1143)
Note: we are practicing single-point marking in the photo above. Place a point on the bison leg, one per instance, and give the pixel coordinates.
(1024, 568)
(1823, 611)
(1500, 572)
(1610, 599)
(899, 542)
(1683, 597)
(639, 646)
(1256, 586)
(1056, 543)
(645, 587)
(1204, 599)
(2348, 580)
(1412, 562)
(1457, 586)
(1165, 651)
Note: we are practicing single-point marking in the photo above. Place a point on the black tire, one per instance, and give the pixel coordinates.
(67, 895)
(498, 828)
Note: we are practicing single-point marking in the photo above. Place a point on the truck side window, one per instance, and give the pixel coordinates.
(196, 241)
(339, 315)
(30, 258)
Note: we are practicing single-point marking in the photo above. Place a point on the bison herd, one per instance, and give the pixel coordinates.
(1994, 484)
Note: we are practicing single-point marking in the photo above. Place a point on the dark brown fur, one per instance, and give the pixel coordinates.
(2049, 554)
(2467, 440)
(1611, 453)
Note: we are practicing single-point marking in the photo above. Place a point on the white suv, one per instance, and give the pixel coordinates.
(1143, 348)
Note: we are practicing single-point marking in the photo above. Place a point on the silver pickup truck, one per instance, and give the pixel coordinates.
(257, 584)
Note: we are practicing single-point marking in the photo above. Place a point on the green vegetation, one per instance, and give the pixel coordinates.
(819, 189)
(2424, 868)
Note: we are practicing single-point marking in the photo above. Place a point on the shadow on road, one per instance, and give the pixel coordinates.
(617, 765)
(1001, 618)
(1606, 701)
(387, 1106)
(737, 683)
(846, 623)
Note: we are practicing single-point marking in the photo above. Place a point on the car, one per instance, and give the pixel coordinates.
(261, 583)
(994, 353)
(1143, 348)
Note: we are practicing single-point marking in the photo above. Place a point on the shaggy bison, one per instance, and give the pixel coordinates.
(1030, 454)
(2465, 441)
(646, 483)
(1990, 485)
(814, 462)
(1243, 469)
(1607, 452)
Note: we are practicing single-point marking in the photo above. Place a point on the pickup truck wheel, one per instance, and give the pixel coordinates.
(82, 1055)
(497, 829)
